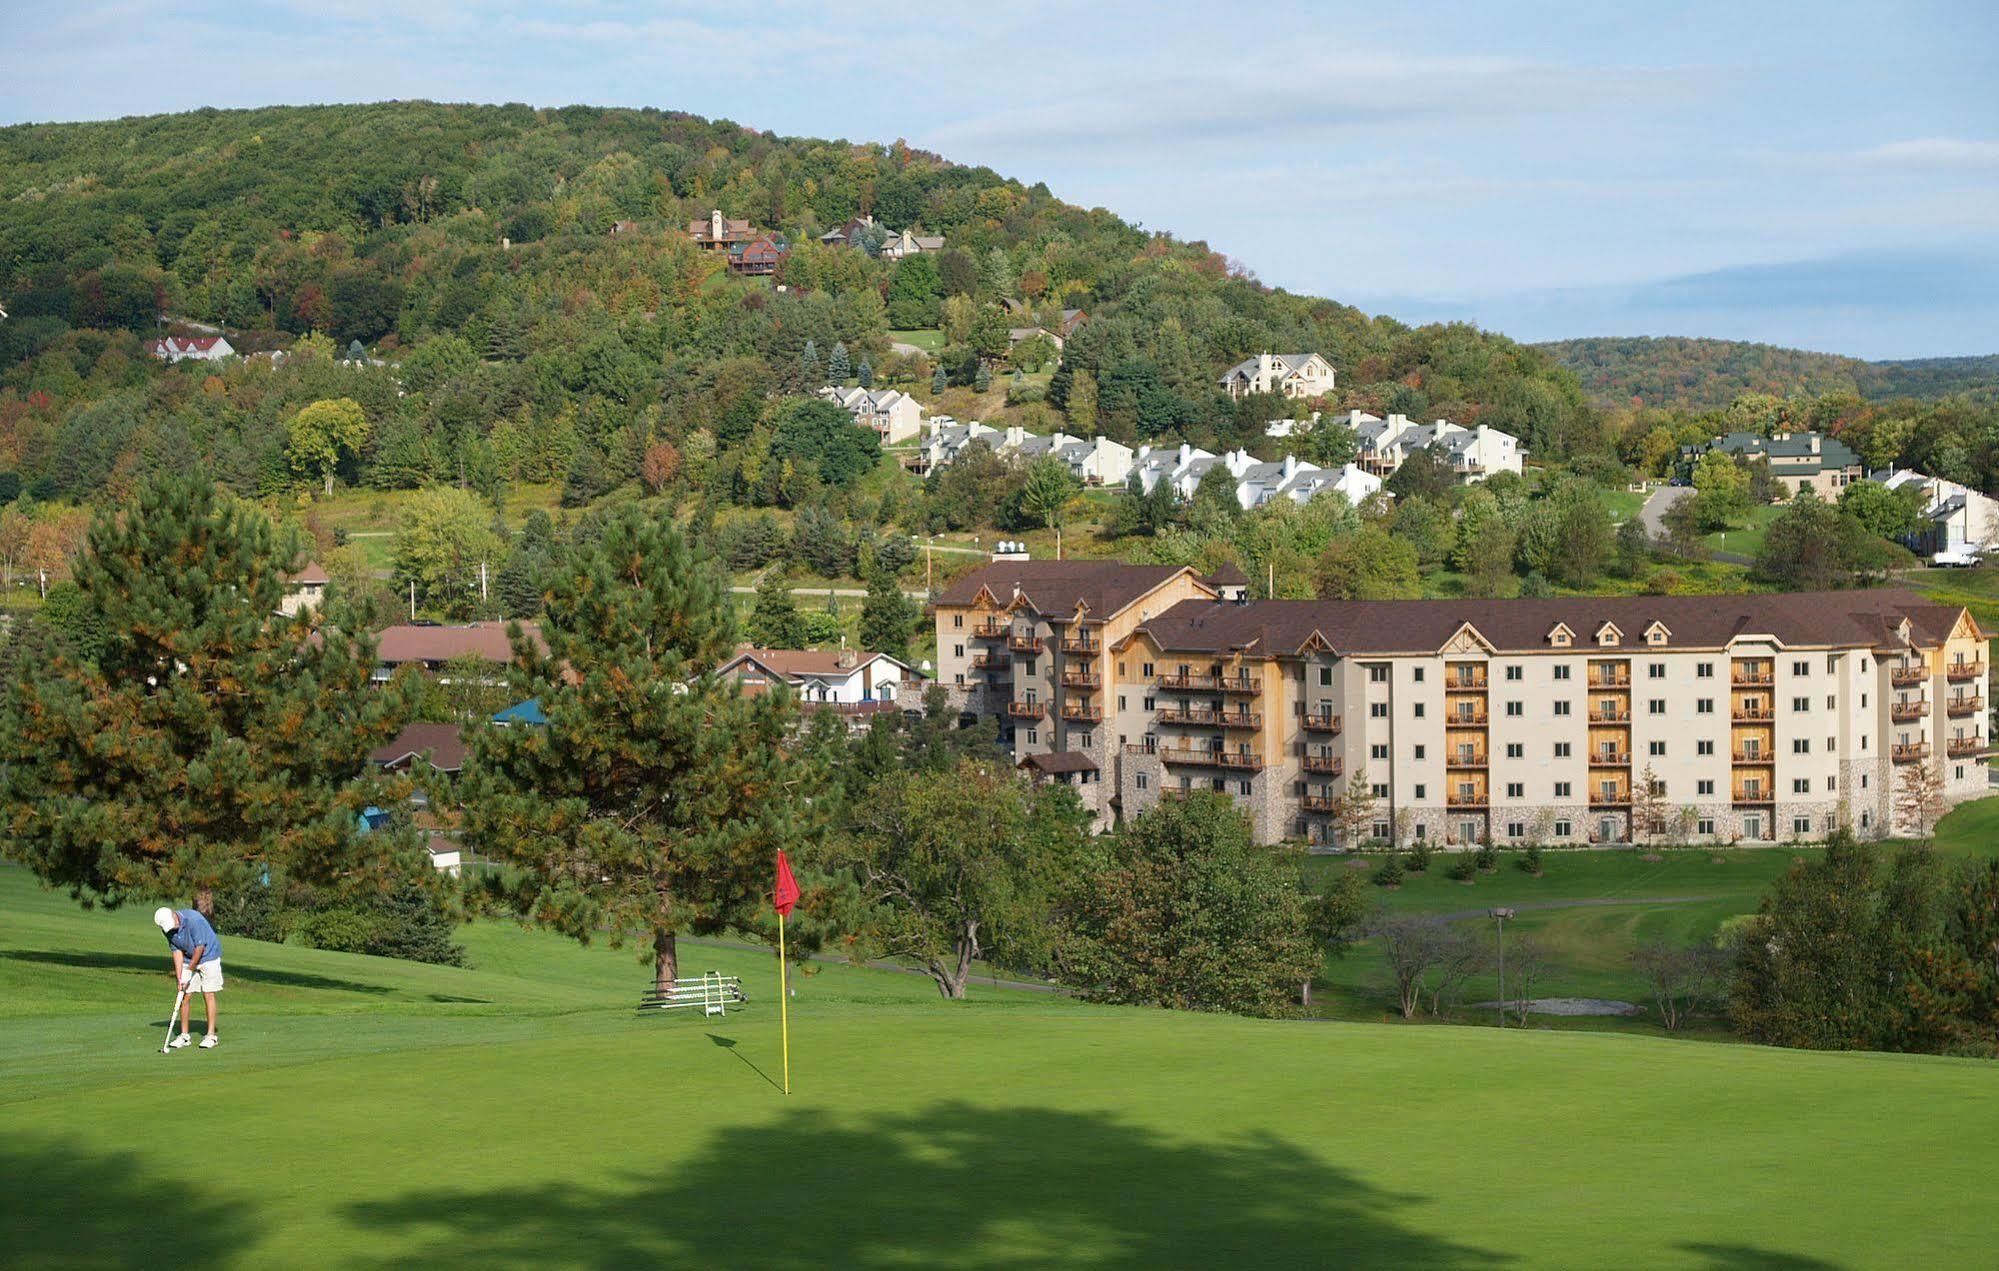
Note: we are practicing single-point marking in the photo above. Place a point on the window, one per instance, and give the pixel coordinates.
(1377, 752)
(1380, 790)
(1380, 829)
(1512, 672)
(1120, 701)
(1516, 790)
(1419, 752)
(1831, 664)
(959, 677)
(1120, 670)
(1801, 745)
(1863, 701)
(1801, 785)
(1513, 709)
(1145, 670)
(1561, 789)
(1377, 675)
(1704, 747)
(1242, 787)
(1832, 783)
(1032, 738)
(958, 621)
(1419, 790)
(1704, 671)
(1655, 749)
(1562, 670)
(1832, 745)
(1656, 670)
(1831, 702)
(1325, 677)
(1703, 787)
(1704, 826)
(1377, 710)
(1801, 668)
(1958, 773)
(1151, 704)
(1418, 677)
(1141, 781)
(1419, 710)
(1655, 706)
(1801, 825)
(1561, 708)
(958, 650)
(1422, 831)
(1801, 703)
(1561, 829)
(1516, 829)
(1514, 750)
(1083, 740)
(1561, 750)
(1704, 706)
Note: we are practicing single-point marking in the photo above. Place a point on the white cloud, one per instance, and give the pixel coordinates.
(1933, 152)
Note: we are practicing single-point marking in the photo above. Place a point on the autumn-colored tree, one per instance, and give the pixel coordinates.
(660, 465)
(322, 432)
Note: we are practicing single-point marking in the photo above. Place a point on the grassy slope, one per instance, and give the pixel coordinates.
(375, 1113)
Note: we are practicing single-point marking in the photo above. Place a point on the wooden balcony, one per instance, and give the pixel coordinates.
(1190, 716)
(1319, 802)
(1762, 758)
(1024, 644)
(1241, 684)
(1754, 794)
(1326, 765)
(1960, 747)
(1618, 678)
(1465, 682)
(1610, 798)
(1911, 752)
(1753, 714)
(1959, 672)
(1958, 707)
(1320, 723)
(1465, 719)
(1026, 710)
(991, 630)
(1084, 642)
(1082, 677)
(1242, 719)
(1460, 799)
(1613, 715)
(1238, 760)
(991, 661)
(1908, 676)
(1610, 759)
(1465, 761)
(1200, 757)
(1908, 712)
(1750, 677)
(1190, 683)
(1082, 713)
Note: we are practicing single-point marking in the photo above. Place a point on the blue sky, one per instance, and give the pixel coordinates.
(1822, 175)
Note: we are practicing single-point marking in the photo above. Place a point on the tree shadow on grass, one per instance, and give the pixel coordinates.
(250, 973)
(953, 1186)
(70, 1208)
(1725, 1257)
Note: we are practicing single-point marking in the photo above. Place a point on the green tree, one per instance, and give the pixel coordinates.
(322, 432)
(956, 865)
(821, 435)
(1182, 909)
(888, 618)
(1047, 492)
(1814, 545)
(1083, 404)
(1722, 486)
(839, 367)
(1881, 511)
(654, 800)
(1336, 915)
(915, 293)
(443, 536)
(774, 622)
(1368, 565)
(210, 741)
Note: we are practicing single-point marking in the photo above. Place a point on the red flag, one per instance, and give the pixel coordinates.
(786, 895)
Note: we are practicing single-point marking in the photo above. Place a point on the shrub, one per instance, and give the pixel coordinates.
(255, 912)
(341, 930)
(1461, 869)
(1419, 857)
(1530, 860)
(1488, 859)
(1389, 872)
(409, 924)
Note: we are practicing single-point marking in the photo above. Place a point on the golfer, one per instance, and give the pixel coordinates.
(197, 964)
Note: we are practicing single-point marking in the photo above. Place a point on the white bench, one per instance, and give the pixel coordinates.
(713, 992)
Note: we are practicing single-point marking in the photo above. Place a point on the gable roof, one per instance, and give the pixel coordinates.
(488, 640)
(443, 743)
(1060, 762)
(1060, 587)
(794, 664)
(1792, 452)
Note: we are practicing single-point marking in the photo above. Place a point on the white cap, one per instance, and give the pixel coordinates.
(165, 919)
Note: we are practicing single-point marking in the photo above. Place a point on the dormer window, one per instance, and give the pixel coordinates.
(1608, 634)
(1657, 633)
(1560, 636)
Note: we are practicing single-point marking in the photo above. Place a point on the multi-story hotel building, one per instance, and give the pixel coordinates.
(1753, 718)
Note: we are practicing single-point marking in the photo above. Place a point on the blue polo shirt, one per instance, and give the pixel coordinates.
(193, 931)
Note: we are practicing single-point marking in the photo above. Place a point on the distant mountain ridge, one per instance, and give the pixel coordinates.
(1692, 373)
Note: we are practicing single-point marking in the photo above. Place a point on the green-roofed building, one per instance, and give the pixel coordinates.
(1800, 460)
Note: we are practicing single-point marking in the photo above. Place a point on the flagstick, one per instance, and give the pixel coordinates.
(783, 1002)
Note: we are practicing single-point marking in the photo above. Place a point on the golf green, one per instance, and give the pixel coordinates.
(366, 1112)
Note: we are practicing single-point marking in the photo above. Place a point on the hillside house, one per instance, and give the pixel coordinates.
(191, 348)
(1962, 523)
(844, 680)
(1299, 375)
(437, 746)
(759, 256)
(894, 416)
(305, 590)
(945, 439)
(432, 648)
(1800, 461)
(718, 232)
(896, 246)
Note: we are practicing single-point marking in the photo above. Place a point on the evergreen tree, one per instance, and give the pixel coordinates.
(982, 378)
(655, 798)
(808, 365)
(775, 622)
(939, 380)
(210, 743)
(866, 374)
(888, 618)
(839, 367)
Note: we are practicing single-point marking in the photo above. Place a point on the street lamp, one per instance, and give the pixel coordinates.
(1500, 916)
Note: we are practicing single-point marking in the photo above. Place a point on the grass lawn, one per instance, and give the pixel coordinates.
(930, 340)
(1623, 504)
(1746, 539)
(373, 1113)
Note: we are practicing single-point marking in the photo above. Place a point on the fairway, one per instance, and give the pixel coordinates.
(363, 1112)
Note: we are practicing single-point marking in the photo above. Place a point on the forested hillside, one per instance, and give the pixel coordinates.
(1695, 374)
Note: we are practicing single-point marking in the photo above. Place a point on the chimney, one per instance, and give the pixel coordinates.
(1186, 452)
(715, 224)
(847, 656)
(1290, 466)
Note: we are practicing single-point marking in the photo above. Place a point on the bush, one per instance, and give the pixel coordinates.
(1419, 857)
(1389, 872)
(1487, 858)
(255, 912)
(1461, 869)
(341, 930)
(409, 924)
(1530, 860)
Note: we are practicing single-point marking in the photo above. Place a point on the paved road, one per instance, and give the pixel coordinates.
(1654, 516)
(907, 350)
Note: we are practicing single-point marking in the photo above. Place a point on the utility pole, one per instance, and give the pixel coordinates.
(412, 600)
(482, 582)
(1500, 916)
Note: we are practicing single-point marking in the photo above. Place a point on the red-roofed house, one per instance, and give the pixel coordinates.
(431, 647)
(844, 679)
(199, 348)
(304, 590)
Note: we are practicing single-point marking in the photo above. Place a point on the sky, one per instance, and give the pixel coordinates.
(1818, 175)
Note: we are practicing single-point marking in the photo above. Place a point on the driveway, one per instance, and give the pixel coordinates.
(1653, 514)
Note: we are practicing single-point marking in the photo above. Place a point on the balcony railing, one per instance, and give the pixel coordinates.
(1464, 761)
(1619, 678)
(1908, 676)
(1082, 713)
(990, 661)
(1465, 681)
(1958, 672)
(1754, 714)
(991, 630)
(1204, 758)
(1610, 759)
(1242, 719)
(1329, 765)
(1465, 719)
(1190, 683)
(1081, 642)
(1908, 712)
(1461, 799)
(1609, 798)
(1082, 677)
(1750, 677)
(1911, 752)
(1237, 759)
(1197, 716)
(1959, 747)
(1962, 706)
(1755, 794)
(1318, 802)
(1612, 715)
(1241, 684)
(1752, 756)
(1321, 723)
(1026, 710)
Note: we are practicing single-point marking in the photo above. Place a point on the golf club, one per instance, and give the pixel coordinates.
(173, 1017)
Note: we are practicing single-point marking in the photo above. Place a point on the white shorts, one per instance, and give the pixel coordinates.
(207, 977)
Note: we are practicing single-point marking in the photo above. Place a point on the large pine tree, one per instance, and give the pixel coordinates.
(654, 800)
(209, 740)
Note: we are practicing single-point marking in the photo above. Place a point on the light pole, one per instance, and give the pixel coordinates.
(1500, 916)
